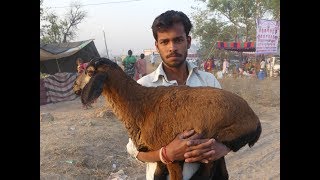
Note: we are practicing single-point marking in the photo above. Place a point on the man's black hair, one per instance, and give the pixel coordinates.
(167, 19)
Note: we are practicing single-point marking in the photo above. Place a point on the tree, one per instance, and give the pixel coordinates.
(41, 9)
(41, 17)
(73, 18)
(230, 20)
(207, 30)
(274, 8)
(56, 30)
(51, 32)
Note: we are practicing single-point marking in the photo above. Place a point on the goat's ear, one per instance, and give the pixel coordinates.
(93, 89)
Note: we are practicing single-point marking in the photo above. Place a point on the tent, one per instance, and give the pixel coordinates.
(237, 46)
(62, 57)
(56, 88)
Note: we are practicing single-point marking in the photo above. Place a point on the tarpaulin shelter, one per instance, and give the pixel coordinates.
(237, 46)
(56, 88)
(62, 57)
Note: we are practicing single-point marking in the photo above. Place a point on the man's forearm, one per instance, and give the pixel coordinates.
(151, 156)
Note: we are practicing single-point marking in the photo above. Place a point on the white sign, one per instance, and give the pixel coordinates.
(268, 32)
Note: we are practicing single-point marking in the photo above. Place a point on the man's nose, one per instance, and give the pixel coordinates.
(172, 47)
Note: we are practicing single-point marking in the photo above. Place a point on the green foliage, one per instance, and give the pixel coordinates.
(230, 20)
(56, 30)
(43, 75)
(273, 6)
(52, 29)
(41, 8)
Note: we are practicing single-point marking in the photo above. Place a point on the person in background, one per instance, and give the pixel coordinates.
(81, 66)
(140, 67)
(128, 63)
(225, 67)
(171, 33)
(219, 65)
(262, 73)
(213, 64)
(208, 65)
(263, 65)
(152, 59)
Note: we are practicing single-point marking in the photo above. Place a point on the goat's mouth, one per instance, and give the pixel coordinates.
(93, 89)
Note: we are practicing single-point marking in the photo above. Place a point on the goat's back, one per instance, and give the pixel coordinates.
(214, 112)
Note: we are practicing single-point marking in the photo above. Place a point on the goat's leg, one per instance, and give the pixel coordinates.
(161, 172)
(175, 171)
(216, 170)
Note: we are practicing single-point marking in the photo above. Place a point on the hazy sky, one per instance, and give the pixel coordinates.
(127, 25)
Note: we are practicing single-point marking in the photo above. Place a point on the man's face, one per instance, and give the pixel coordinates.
(173, 45)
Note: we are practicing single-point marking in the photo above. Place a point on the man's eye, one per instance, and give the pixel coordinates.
(179, 40)
(164, 42)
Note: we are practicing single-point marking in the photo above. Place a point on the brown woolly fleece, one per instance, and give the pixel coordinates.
(154, 116)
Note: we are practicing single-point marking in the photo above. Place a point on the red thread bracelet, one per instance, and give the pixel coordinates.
(165, 155)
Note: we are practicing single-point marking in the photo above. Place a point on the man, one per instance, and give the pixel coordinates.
(152, 59)
(263, 65)
(81, 66)
(208, 66)
(128, 63)
(225, 67)
(171, 33)
(262, 71)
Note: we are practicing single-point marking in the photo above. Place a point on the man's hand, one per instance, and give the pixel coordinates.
(189, 146)
(177, 148)
(205, 150)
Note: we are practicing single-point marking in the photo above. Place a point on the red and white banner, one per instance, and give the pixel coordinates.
(268, 32)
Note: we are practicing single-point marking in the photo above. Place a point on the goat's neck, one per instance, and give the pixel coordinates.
(128, 100)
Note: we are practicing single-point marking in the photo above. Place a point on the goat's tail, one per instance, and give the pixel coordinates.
(250, 139)
(256, 135)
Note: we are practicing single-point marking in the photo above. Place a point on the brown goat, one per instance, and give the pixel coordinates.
(154, 116)
(82, 79)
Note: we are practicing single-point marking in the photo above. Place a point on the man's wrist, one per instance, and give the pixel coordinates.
(163, 154)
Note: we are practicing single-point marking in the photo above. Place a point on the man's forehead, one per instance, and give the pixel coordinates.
(173, 32)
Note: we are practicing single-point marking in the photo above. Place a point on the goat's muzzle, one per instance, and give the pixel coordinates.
(93, 89)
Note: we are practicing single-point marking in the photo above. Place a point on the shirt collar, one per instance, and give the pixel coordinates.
(160, 72)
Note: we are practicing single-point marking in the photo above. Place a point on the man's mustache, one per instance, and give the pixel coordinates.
(174, 55)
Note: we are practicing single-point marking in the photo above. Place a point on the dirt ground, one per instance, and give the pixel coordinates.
(85, 144)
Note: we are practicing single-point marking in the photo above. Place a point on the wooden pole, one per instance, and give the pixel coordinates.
(105, 43)
(58, 65)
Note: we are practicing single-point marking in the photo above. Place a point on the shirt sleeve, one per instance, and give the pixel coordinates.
(212, 81)
(207, 79)
(132, 150)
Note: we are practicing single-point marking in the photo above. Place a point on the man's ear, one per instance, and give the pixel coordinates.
(156, 44)
(189, 41)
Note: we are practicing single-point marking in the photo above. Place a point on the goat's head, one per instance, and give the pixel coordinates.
(93, 89)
